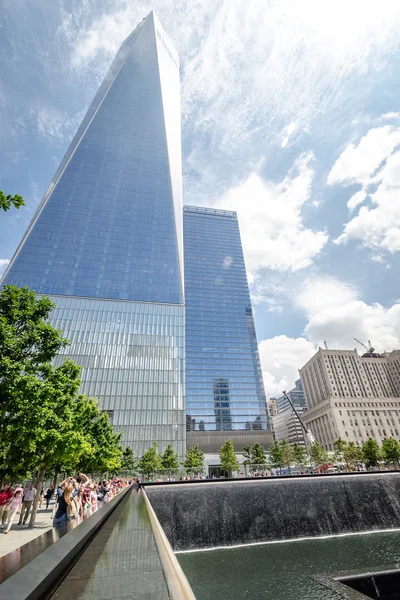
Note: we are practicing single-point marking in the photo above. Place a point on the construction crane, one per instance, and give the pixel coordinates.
(370, 350)
(308, 433)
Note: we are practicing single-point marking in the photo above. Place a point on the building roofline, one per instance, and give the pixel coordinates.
(210, 211)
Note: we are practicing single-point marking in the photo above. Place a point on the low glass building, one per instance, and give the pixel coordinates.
(224, 386)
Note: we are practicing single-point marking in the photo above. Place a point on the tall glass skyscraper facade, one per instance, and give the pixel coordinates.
(106, 244)
(224, 386)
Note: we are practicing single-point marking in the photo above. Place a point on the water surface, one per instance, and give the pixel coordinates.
(283, 571)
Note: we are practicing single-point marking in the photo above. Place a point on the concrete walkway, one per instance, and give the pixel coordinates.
(21, 534)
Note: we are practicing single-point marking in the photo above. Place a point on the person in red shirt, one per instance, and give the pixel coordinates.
(5, 495)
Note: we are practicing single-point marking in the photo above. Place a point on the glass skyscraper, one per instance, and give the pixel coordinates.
(224, 386)
(106, 245)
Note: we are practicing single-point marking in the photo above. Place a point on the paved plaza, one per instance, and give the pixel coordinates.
(20, 535)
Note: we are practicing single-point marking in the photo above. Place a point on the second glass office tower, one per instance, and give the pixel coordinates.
(224, 386)
(106, 245)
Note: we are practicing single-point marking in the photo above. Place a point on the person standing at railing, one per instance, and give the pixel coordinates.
(67, 505)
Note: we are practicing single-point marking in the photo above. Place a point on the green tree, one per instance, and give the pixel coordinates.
(318, 454)
(339, 447)
(7, 201)
(247, 455)
(300, 455)
(227, 456)
(258, 456)
(38, 402)
(105, 453)
(151, 460)
(352, 454)
(371, 453)
(194, 460)
(44, 423)
(128, 462)
(287, 454)
(391, 451)
(276, 456)
(170, 459)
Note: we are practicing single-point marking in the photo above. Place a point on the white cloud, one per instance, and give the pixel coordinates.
(55, 125)
(373, 161)
(288, 132)
(378, 258)
(359, 320)
(249, 70)
(323, 293)
(356, 199)
(271, 226)
(3, 264)
(356, 164)
(281, 358)
(335, 314)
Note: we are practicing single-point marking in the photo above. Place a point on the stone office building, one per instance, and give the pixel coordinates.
(351, 396)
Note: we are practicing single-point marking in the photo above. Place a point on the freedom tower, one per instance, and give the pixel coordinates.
(106, 245)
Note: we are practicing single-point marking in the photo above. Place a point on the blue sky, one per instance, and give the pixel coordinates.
(290, 115)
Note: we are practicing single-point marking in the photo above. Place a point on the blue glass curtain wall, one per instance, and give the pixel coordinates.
(106, 245)
(109, 226)
(224, 387)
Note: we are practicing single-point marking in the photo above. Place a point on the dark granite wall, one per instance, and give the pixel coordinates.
(223, 514)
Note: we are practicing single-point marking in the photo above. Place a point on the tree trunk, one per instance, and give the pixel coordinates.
(55, 481)
(38, 486)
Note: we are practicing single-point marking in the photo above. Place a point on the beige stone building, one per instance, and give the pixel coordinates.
(351, 396)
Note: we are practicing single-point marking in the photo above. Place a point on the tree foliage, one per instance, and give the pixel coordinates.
(44, 422)
(318, 454)
(287, 454)
(7, 201)
(276, 455)
(352, 454)
(105, 452)
(150, 462)
(391, 451)
(194, 460)
(169, 459)
(227, 456)
(258, 455)
(339, 446)
(371, 453)
(300, 455)
(128, 462)
(254, 457)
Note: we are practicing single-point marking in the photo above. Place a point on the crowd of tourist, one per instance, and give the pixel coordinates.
(75, 499)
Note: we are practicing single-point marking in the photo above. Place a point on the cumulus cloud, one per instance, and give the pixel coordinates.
(271, 225)
(357, 163)
(335, 314)
(281, 357)
(323, 293)
(374, 161)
